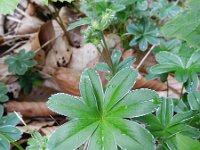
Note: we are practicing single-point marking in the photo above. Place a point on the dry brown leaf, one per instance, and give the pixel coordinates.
(36, 125)
(13, 20)
(113, 41)
(81, 57)
(48, 130)
(46, 33)
(29, 109)
(68, 80)
(58, 56)
(151, 84)
(4, 70)
(29, 25)
(38, 93)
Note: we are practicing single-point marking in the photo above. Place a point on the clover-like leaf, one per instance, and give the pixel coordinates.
(144, 34)
(165, 125)
(3, 92)
(21, 62)
(171, 45)
(185, 71)
(8, 131)
(164, 9)
(99, 119)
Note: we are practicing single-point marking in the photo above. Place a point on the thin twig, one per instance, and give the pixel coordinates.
(145, 57)
(8, 37)
(45, 44)
(14, 19)
(13, 47)
(23, 13)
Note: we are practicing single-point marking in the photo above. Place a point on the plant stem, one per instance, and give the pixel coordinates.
(60, 22)
(108, 56)
(145, 57)
(167, 88)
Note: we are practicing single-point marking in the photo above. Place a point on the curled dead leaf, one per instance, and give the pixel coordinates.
(29, 109)
(68, 80)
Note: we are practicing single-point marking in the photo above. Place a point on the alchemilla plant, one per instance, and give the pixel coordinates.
(101, 118)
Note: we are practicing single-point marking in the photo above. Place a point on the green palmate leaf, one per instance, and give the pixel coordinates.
(102, 67)
(164, 9)
(166, 111)
(103, 138)
(91, 84)
(171, 45)
(186, 25)
(21, 62)
(185, 69)
(126, 63)
(116, 55)
(118, 87)
(117, 65)
(72, 135)
(136, 103)
(165, 125)
(8, 131)
(144, 33)
(130, 135)
(186, 143)
(69, 106)
(3, 92)
(28, 80)
(94, 119)
(194, 100)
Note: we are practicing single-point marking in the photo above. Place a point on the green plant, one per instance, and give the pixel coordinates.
(186, 25)
(173, 46)
(100, 119)
(164, 9)
(37, 142)
(166, 124)
(144, 33)
(3, 92)
(21, 62)
(186, 143)
(185, 69)
(194, 100)
(8, 131)
(116, 56)
(29, 79)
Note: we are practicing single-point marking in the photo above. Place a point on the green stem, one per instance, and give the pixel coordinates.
(108, 56)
